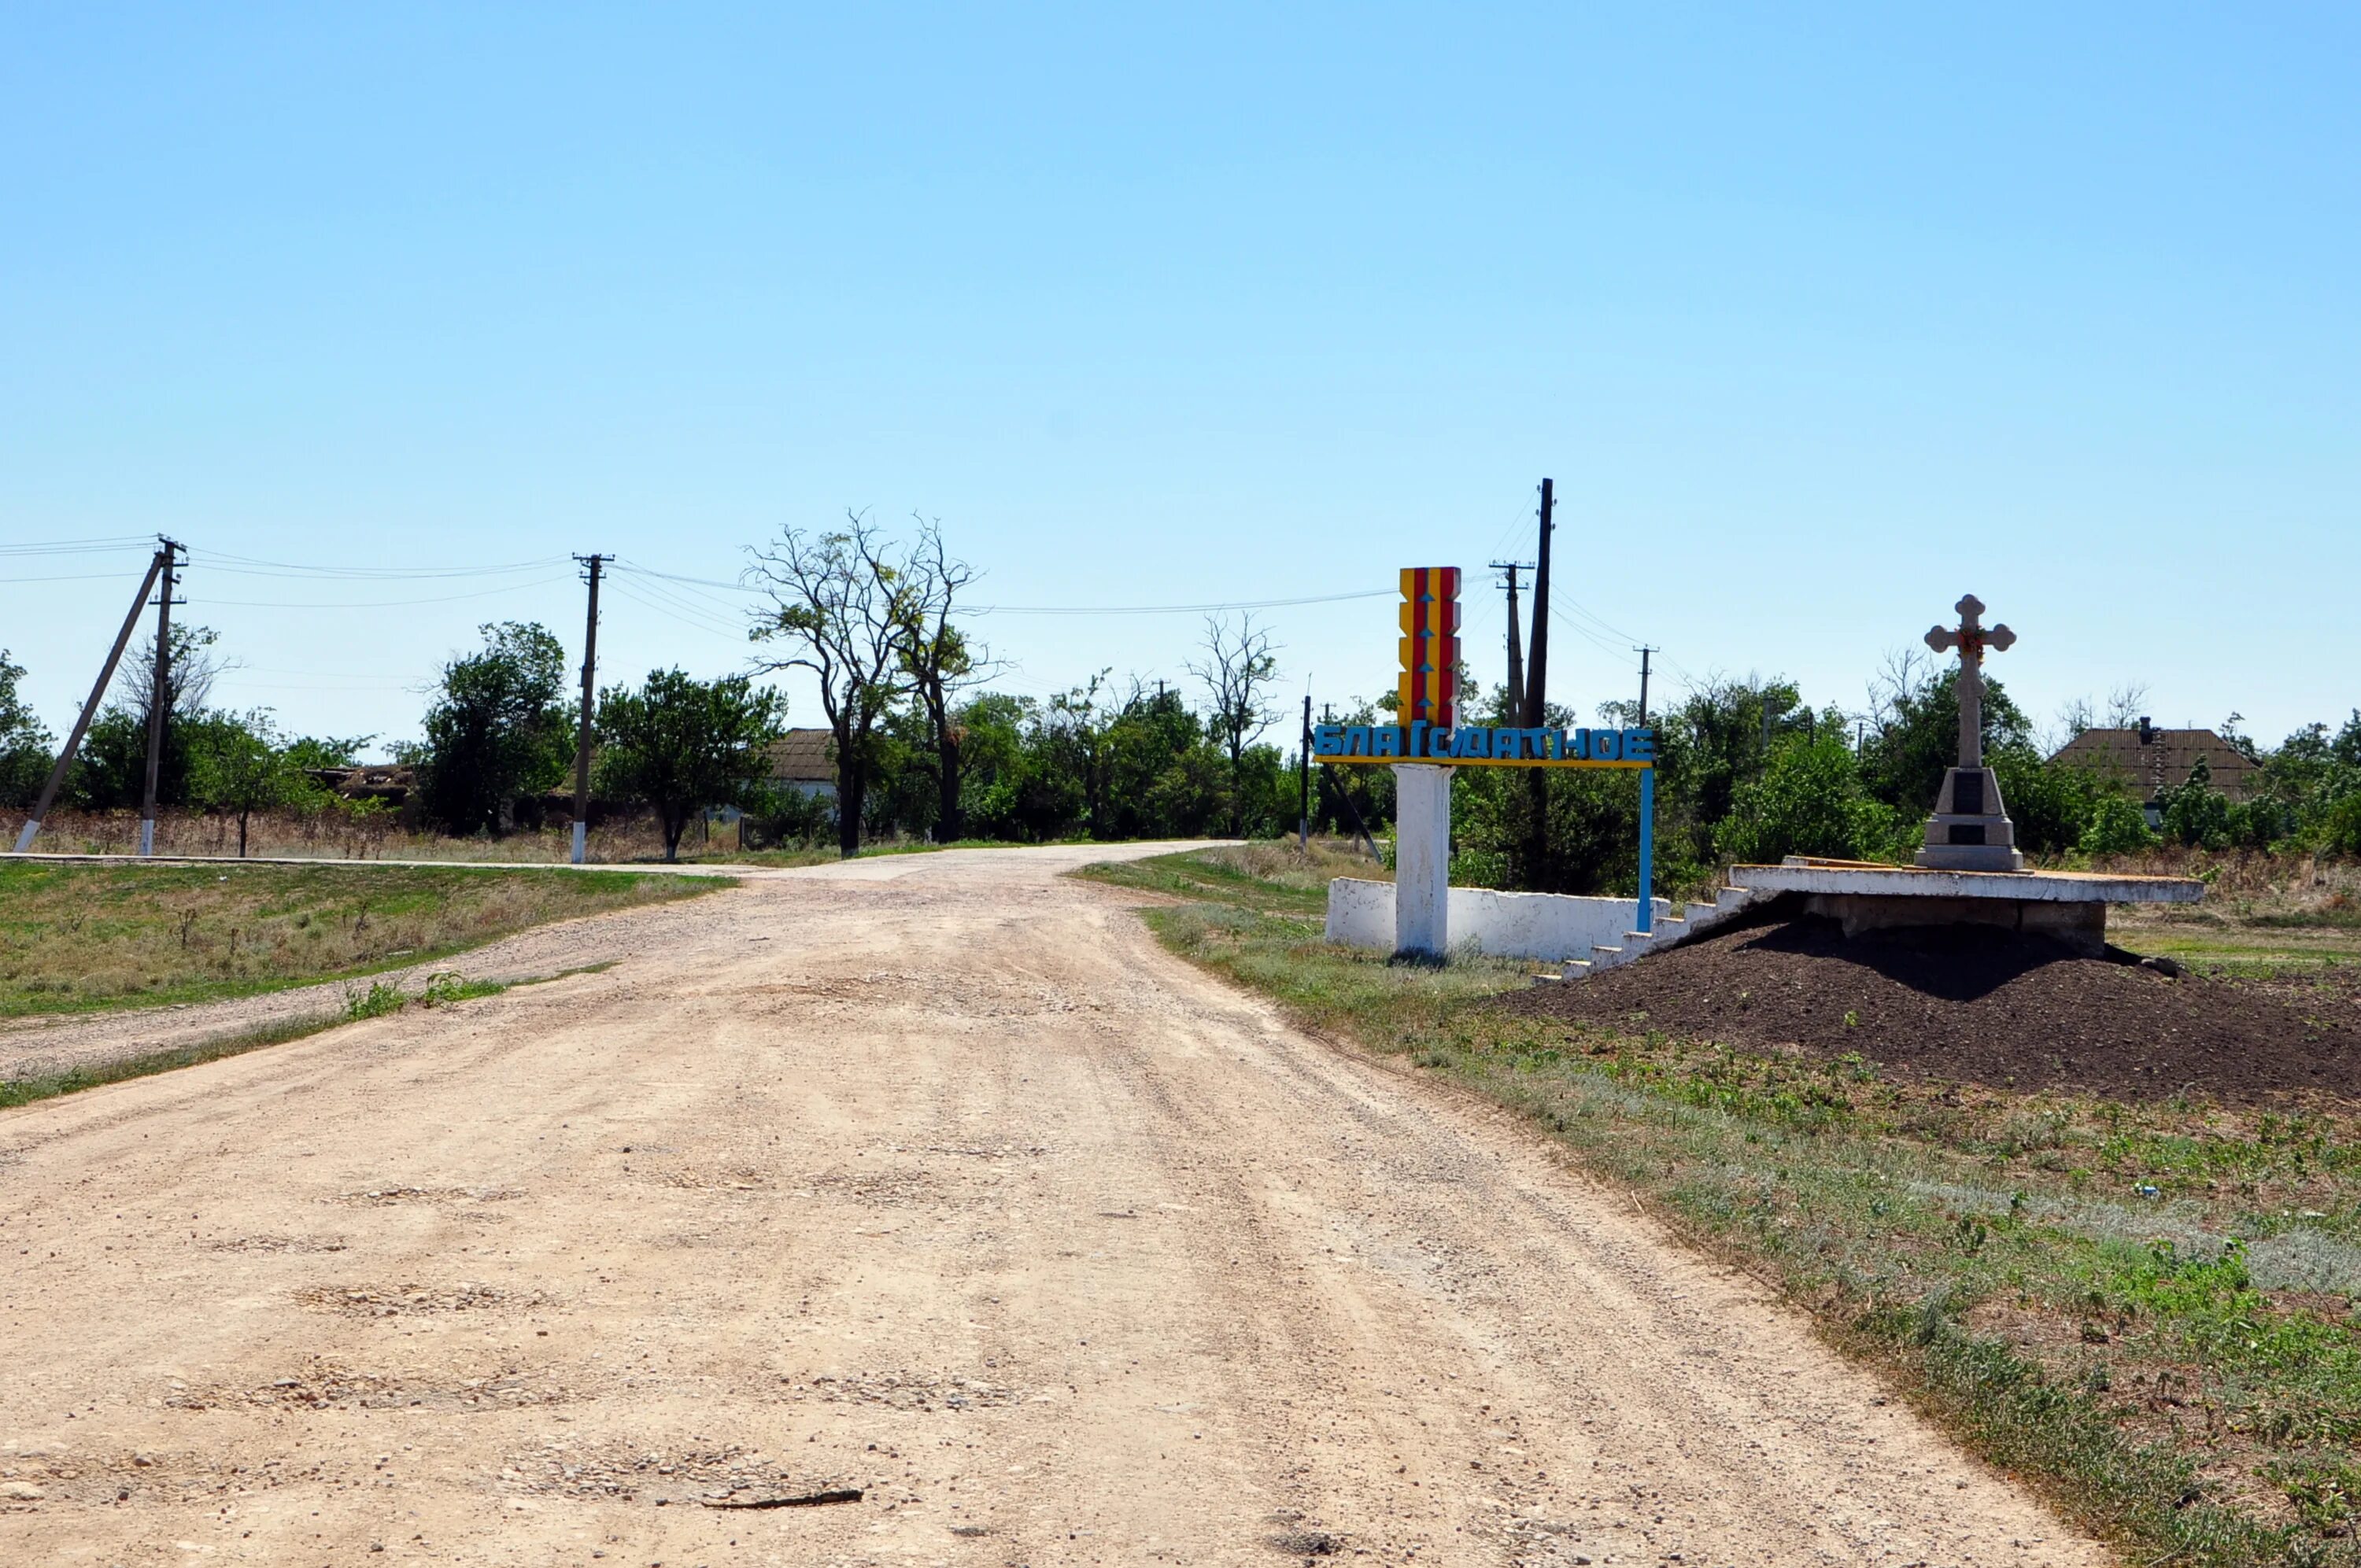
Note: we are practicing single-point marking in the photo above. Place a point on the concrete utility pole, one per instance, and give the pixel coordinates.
(1643, 653)
(159, 699)
(596, 563)
(1303, 781)
(89, 709)
(1537, 696)
(1516, 639)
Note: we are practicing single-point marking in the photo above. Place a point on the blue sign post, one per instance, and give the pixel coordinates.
(1647, 850)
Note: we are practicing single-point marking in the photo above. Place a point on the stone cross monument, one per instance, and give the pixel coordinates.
(1971, 831)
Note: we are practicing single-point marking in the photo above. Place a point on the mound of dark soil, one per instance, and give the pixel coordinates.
(1978, 1006)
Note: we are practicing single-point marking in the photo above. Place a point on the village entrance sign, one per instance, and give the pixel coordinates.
(1428, 742)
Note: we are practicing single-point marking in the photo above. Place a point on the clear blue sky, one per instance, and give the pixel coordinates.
(1817, 317)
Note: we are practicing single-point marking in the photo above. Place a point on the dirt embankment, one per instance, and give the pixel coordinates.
(1980, 1008)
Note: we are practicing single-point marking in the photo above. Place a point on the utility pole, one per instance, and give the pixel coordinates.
(1304, 782)
(89, 709)
(159, 699)
(1643, 653)
(597, 564)
(1537, 697)
(1516, 639)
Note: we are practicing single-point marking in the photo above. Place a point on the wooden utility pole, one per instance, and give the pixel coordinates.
(89, 709)
(1303, 781)
(1516, 641)
(596, 563)
(1537, 666)
(161, 697)
(1643, 653)
(1537, 698)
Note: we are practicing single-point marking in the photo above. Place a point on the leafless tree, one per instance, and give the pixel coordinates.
(842, 604)
(938, 659)
(2123, 705)
(1905, 672)
(188, 679)
(1238, 670)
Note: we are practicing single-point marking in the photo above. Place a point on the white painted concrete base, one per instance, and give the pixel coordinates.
(581, 842)
(1422, 909)
(1553, 928)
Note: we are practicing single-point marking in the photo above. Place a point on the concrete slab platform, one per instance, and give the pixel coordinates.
(2070, 907)
(1800, 874)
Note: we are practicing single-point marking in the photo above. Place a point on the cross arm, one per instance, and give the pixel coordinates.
(1942, 638)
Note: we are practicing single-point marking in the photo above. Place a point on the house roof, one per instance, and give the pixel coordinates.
(2164, 760)
(803, 756)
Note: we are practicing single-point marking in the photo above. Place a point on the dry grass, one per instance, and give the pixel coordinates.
(79, 936)
(327, 837)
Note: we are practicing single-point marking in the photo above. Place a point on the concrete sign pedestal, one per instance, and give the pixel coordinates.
(1421, 861)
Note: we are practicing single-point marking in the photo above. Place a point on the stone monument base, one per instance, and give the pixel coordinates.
(2068, 907)
(1971, 831)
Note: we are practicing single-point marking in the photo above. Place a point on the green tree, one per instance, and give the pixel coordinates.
(2117, 827)
(2340, 826)
(25, 743)
(682, 745)
(2196, 813)
(1915, 735)
(498, 730)
(239, 764)
(1808, 801)
(110, 771)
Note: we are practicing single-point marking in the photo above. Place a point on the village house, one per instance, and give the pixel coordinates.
(804, 759)
(2151, 760)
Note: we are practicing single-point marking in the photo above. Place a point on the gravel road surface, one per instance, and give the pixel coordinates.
(931, 1178)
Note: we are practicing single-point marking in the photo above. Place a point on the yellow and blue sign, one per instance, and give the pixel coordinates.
(1430, 734)
(1484, 745)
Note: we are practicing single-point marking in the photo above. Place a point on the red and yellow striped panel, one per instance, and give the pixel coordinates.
(1430, 645)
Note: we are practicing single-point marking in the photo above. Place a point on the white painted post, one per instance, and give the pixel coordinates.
(1422, 861)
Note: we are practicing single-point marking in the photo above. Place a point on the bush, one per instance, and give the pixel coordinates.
(1809, 801)
(787, 816)
(2341, 829)
(2196, 815)
(2117, 827)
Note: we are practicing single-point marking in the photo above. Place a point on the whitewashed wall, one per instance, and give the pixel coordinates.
(1545, 926)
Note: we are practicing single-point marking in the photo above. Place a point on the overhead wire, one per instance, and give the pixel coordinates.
(118, 544)
(250, 566)
(1073, 609)
(377, 604)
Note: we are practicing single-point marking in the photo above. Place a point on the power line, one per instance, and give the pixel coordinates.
(249, 566)
(115, 546)
(1061, 609)
(381, 604)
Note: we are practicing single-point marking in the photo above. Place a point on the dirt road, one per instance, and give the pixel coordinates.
(933, 1177)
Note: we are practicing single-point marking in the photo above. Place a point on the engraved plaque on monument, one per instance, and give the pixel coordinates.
(1971, 831)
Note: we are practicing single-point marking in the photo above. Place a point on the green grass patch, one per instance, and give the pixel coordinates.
(2146, 1309)
(79, 937)
(50, 1086)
